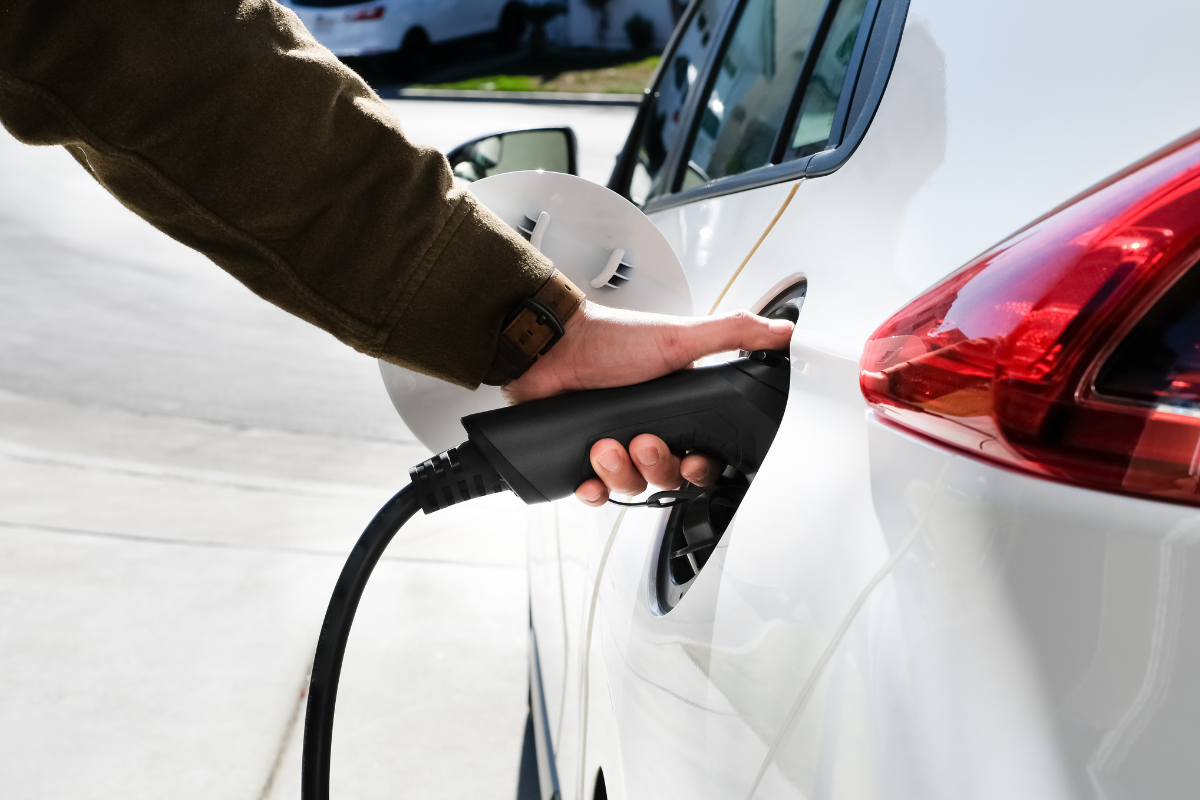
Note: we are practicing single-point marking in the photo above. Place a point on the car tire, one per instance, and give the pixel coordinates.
(511, 28)
(410, 61)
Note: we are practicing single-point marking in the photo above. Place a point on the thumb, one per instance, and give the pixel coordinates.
(737, 330)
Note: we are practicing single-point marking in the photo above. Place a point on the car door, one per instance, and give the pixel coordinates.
(784, 92)
(562, 587)
(732, 83)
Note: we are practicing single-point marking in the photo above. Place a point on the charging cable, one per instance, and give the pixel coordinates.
(459, 474)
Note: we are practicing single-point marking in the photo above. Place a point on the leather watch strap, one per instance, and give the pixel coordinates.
(536, 326)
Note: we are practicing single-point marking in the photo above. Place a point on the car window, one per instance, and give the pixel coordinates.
(753, 89)
(676, 81)
(820, 99)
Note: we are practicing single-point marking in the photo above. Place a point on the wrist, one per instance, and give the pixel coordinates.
(579, 319)
(533, 327)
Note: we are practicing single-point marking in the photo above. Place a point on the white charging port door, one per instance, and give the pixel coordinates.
(583, 228)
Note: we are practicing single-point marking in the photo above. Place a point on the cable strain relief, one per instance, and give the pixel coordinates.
(459, 474)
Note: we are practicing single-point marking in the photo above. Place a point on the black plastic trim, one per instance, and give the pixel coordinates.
(622, 173)
(753, 179)
(889, 22)
(780, 149)
(696, 100)
(788, 302)
(876, 56)
(676, 164)
(624, 168)
(850, 82)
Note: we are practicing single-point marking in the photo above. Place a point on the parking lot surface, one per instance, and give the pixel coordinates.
(182, 470)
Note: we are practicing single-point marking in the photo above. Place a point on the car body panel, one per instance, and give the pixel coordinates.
(1023, 638)
(713, 237)
(885, 617)
(581, 535)
(705, 681)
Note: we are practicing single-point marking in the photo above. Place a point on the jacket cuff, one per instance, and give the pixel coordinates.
(450, 324)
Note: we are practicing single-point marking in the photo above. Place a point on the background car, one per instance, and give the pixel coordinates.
(967, 566)
(402, 31)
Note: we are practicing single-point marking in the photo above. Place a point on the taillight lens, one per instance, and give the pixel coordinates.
(366, 14)
(1071, 350)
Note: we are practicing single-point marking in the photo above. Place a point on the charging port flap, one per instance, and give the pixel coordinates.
(580, 226)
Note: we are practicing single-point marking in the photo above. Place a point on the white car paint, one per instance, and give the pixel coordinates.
(885, 618)
(379, 26)
(714, 236)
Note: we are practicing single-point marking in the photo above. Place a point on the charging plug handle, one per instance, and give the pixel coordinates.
(730, 411)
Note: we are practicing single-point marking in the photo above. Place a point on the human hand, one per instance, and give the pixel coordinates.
(606, 347)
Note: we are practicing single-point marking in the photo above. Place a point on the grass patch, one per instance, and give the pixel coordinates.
(561, 74)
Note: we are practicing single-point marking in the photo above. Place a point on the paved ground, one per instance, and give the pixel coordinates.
(182, 469)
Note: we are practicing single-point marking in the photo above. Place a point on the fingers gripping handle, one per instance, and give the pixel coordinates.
(730, 411)
(705, 431)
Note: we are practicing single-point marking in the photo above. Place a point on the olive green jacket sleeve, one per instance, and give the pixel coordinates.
(227, 126)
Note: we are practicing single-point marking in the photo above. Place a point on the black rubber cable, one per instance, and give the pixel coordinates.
(459, 474)
(335, 632)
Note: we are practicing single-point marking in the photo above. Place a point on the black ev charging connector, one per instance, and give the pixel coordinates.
(539, 450)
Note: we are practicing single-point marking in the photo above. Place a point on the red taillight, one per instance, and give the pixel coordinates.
(366, 14)
(1071, 350)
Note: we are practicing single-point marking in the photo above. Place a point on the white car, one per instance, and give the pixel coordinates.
(969, 566)
(406, 28)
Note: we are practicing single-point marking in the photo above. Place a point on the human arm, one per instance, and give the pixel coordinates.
(228, 127)
(225, 125)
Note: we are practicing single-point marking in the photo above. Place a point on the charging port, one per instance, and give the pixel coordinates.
(692, 531)
(694, 528)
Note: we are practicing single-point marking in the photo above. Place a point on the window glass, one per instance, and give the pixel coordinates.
(754, 86)
(813, 123)
(675, 83)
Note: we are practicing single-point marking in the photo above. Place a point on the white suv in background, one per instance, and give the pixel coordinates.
(405, 28)
(969, 566)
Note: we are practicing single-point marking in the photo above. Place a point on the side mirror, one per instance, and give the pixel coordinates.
(546, 149)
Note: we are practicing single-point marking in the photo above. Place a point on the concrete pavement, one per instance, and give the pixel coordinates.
(182, 470)
(161, 588)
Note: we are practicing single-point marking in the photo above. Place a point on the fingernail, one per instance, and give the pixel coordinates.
(647, 457)
(779, 325)
(609, 460)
